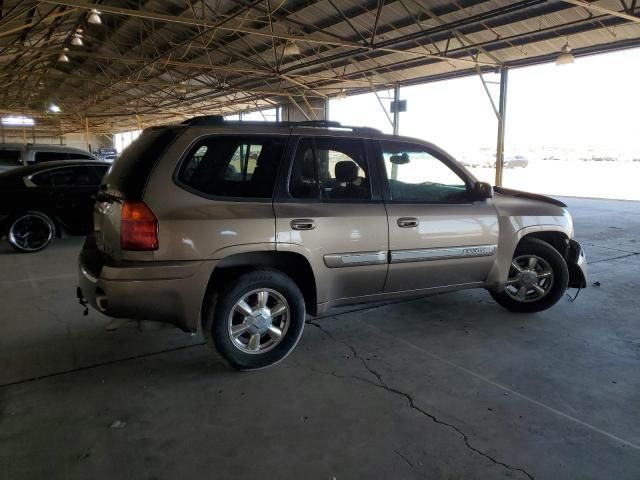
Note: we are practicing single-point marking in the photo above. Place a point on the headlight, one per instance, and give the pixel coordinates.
(570, 231)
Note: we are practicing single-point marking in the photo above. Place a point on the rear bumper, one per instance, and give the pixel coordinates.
(577, 264)
(170, 292)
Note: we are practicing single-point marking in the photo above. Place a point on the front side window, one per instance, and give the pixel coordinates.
(416, 175)
(233, 166)
(330, 169)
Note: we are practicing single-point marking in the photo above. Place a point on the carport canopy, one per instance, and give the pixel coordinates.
(148, 63)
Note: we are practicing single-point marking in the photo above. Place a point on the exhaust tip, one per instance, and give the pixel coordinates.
(101, 300)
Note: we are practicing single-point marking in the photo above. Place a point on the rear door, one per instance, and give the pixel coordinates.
(329, 208)
(438, 235)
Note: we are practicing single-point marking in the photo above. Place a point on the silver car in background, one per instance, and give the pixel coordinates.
(17, 155)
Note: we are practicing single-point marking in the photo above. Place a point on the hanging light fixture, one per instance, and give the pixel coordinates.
(181, 88)
(94, 17)
(63, 56)
(565, 57)
(77, 40)
(291, 48)
(341, 95)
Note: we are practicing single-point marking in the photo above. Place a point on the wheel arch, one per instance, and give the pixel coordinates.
(294, 265)
(557, 239)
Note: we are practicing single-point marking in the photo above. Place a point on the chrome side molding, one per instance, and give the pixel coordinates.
(401, 256)
(337, 260)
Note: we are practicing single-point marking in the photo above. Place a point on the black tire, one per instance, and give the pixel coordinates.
(42, 225)
(552, 257)
(221, 307)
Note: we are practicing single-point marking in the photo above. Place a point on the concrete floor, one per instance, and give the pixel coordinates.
(451, 386)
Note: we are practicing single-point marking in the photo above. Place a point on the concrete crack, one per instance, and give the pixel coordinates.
(611, 248)
(411, 402)
(614, 258)
(405, 459)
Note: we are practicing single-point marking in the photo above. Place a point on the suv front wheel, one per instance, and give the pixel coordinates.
(257, 319)
(538, 278)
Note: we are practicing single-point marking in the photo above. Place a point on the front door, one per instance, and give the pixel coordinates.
(331, 212)
(438, 236)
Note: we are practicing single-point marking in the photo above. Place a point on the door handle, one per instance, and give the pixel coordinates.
(303, 224)
(407, 222)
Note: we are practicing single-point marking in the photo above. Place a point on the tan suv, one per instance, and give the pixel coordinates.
(242, 228)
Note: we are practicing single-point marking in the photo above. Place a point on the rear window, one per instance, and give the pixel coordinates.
(130, 170)
(233, 166)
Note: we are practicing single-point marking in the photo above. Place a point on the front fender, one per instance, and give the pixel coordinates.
(577, 263)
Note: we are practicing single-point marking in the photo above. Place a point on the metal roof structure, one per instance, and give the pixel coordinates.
(160, 61)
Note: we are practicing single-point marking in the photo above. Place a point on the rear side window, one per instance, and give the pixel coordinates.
(50, 156)
(78, 176)
(233, 166)
(99, 173)
(9, 158)
(330, 169)
(80, 156)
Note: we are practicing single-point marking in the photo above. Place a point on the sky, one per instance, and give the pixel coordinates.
(592, 104)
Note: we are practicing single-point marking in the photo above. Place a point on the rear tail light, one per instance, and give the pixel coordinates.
(138, 227)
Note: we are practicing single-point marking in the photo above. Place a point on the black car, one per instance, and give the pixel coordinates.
(41, 201)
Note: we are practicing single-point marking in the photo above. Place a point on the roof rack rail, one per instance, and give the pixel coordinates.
(205, 120)
(332, 124)
(317, 123)
(214, 120)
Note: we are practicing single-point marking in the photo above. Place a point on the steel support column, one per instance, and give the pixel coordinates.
(86, 125)
(396, 124)
(502, 110)
(396, 111)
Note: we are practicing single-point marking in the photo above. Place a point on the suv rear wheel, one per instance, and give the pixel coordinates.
(257, 320)
(538, 278)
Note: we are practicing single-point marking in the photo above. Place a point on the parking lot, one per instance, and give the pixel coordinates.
(576, 178)
(450, 386)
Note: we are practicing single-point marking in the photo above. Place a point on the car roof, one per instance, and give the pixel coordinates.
(11, 146)
(39, 167)
(55, 148)
(42, 146)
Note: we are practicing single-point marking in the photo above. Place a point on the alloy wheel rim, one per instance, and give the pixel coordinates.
(530, 278)
(258, 321)
(30, 232)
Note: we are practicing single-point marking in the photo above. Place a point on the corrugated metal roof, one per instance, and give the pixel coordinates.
(167, 60)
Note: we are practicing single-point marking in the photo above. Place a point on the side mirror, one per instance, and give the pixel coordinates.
(482, 191)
